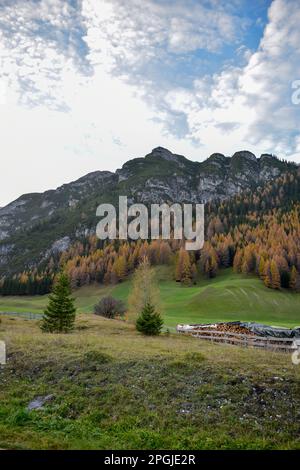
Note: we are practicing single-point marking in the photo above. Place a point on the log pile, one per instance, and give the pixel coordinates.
(213, 331)
(224, 327)
(235, 333)
(231, 328)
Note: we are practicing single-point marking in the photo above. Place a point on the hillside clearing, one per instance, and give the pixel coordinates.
(228, 297)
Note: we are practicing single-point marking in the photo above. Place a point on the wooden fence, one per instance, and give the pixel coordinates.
(27, 315)
(213, 335)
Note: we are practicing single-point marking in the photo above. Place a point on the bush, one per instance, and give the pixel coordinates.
(149, 322)
(109, 307)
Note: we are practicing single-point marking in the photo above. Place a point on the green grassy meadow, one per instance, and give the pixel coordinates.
(112, 388)
(228, 297)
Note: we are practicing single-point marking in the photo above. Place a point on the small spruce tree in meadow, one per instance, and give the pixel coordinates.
(149, 321)
(59, 316)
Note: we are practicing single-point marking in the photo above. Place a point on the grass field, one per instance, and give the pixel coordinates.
(227, 297)
(111, 388)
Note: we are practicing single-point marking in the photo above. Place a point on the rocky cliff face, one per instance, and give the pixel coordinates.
(35, 225)
(164, 176)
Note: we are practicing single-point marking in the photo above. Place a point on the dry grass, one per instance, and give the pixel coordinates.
(170, 391)
(121, 340)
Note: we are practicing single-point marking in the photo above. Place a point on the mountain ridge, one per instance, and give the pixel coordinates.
(37, 224)
(157, 150)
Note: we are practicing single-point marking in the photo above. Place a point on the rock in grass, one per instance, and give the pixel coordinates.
(39, 402)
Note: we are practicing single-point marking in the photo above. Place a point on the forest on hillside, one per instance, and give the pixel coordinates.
(255, 232)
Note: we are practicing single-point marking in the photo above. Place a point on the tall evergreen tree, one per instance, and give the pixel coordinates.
(267, 275)
(275, 276)
(59, 316)
(261, 268)
(295, 280)
(184, 268)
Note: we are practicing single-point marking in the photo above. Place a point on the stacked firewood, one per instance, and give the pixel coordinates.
(234, 329)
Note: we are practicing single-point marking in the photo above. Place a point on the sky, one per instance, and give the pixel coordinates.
(86, 85)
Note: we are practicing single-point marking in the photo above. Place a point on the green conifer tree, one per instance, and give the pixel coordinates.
(59, 316)
(149, 322)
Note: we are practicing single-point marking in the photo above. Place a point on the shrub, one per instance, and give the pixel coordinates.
(109, 307)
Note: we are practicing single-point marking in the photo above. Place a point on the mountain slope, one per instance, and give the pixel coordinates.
(40, 224)
(228, 297)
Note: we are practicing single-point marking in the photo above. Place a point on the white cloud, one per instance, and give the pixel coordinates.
(90, 85)
(149, 44)
(68, 107)
(38, 45)
(134, 32)
(256, 99)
